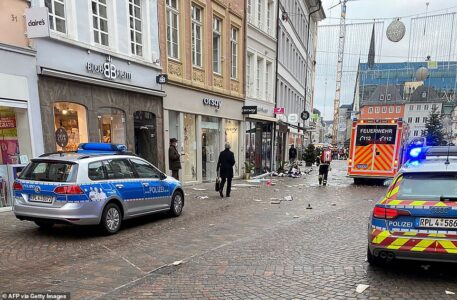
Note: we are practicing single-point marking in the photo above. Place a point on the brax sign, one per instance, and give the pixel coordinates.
(108, 69)
(37, 22)
(212, 102)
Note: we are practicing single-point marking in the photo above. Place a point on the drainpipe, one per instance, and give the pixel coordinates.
(273, 159)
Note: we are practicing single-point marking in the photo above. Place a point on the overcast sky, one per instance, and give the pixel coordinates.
(377, 9)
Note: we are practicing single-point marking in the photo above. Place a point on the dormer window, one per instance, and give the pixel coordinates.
(389, 96)
(424, 95)
(381, 97)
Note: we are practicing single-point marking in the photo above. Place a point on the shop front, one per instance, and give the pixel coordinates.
(203, 124)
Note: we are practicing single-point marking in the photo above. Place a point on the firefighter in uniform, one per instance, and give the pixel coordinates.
(326, 159)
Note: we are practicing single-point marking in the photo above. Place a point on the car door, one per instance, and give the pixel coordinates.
(155, 189)
(123, 180)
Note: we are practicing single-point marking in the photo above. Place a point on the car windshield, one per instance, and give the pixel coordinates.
(427, 186)
(55, 171)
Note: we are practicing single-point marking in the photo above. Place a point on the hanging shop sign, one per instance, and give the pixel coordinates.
(212, 102)
(249, 110)
(61, 137)
(108, 70)
(37, 22)
(162, 79)
(279, 110)
(293, 118)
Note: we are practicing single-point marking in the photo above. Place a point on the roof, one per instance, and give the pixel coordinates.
(383, 91)
(347, 106)
(425, 94)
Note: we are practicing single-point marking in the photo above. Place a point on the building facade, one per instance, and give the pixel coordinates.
(386, 102)
(97, 76)
(297, 42)
(261, 26)
(20, 121)
(203, 52)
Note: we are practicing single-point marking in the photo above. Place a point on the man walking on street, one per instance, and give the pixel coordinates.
(225, 165)
(292, 153)
(174, 160)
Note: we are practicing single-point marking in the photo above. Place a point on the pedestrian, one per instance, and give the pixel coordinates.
(174, 161)
(326, 158)
(225, 165)
(292, 153)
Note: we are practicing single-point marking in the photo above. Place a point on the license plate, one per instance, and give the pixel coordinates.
(437, 223)
(41, 198)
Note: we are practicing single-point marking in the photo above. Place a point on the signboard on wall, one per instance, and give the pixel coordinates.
(249, 110)
(279, 110)
(37, 22)
(61, 137)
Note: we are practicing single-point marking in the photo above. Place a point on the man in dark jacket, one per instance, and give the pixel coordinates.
(292, 153)
(225, 169)
(174, 161)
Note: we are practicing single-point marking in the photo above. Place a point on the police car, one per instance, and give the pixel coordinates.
(417, 218)
(98, 184)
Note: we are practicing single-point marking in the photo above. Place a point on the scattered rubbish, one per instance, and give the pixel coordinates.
(287, 214)
(177, 263)
(262, 175)
(308, 171)
(296, 217)
(275, 202)
(257, 200)
(333, 204)
(361, 288)
(450, 293)
(288, 198)
(289, 186)
(211, 225)
(244, 185)
(201, 197)
(198, 189)
(309, 206)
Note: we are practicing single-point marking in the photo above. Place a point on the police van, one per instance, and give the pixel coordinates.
(98, 184)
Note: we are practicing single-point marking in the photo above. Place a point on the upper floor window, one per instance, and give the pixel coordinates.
(370, 110)
(56, 10)
(196, 35)
(173, 28)
(234, 50)
(217, 29)
(424, 94)
(249, 6)
(398, 109)
(425, 106)
(419, 107)
(377, 109)
(410, 119)
(389, 96)
(411, 107)
(249, 77)
(381, 97)
(259, 13)
(136, 35)
(384, 109)
(391, 109)
(100, 22)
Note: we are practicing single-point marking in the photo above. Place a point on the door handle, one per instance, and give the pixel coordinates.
(145, 184)
(119, 186)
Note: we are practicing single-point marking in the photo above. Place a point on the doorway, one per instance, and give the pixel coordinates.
(210, 147)
(145, 136)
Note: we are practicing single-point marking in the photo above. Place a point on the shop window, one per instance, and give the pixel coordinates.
(111, 125)
(210, 147)
(190, 147)
(232, 130)
(72, 118)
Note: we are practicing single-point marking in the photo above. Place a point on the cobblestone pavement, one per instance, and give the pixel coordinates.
(238, 248)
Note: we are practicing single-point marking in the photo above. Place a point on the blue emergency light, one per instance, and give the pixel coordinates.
(415, 152)
(101, 148)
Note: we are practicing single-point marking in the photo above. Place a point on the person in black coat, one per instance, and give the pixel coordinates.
(225, 165)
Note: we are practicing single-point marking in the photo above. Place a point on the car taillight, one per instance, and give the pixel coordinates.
(17, 186)
(68, 190)
(388, 213)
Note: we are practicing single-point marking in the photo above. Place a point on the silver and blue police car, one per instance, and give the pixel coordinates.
(98, 184)
(417, 218)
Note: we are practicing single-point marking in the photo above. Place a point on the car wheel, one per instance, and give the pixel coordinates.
(44, 224)
(372, 260)
(111, 218)
(177, 204)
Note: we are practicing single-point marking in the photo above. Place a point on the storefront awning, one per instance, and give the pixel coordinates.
(294, 126)
(263, 118)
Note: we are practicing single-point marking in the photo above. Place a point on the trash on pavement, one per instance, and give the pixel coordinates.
(333, 204)
(296, 217)
(202, 197)
(450, 293)
(288, 198)
(275, 202)
(361, 288)
(199, 189)
(244, 185)
(309, 206)
(257, 200)
(177, 263)
(262, 175)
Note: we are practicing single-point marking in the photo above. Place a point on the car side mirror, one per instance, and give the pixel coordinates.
(163, 176)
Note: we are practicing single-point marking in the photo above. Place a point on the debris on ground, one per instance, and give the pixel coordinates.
(199, 189)
(177, 263)
(296, 217)
(275, 202)
(309, 206)
(361, 288)
(257, 200)
(201, 197)
(450, 293)
(244, 185)
(288, 198)
(211, 225)
(262, 175)
(333, 204)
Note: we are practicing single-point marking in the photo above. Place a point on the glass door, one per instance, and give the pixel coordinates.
(210, 147)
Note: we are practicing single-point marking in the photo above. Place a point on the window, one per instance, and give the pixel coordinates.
(56, 10)
(145, 170)
(418, 107)
(434, 106)
(389, 96)
(424, 119)
(384, 109)
(267, 80)
(423, 132)
(249, 74)
(249, 6)
(72, 118)
(118, 169)
(410, 120)
(100, 22)
(398, 109)
(391, 109)
(417, 120)
(111, 122)
(416, 133)
(196, 36)
(136, 28)
(424, 95)
(234, 50)
(411, 107)
(217, 24)
(269, 18)
(381, 97)
(96, 171)
(259, 13)
(377, 109)
(425, 106)
(259, 74)
(173, 28)
(370, 110)
(49, 171)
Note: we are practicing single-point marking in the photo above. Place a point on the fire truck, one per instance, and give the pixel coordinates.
(376, 150)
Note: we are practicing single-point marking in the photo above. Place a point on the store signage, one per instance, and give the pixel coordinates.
(7, 122)
(61, 137)
(212, 102)
(249, 110)
(279, 110)
(282, 118)
(37, 22)
(305, 115)
(162, 79)
(293, 118)
(108, 69)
